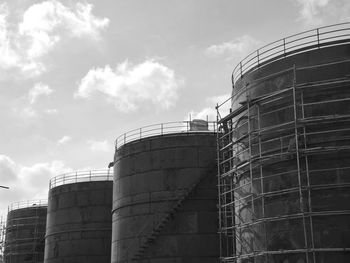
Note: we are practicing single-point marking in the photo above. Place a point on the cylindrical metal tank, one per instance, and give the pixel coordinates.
(285, 194)
(79, 219)
(25, 232)
(165, 196)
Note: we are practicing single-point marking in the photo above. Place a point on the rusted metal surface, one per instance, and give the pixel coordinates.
(165, 197)
(25, 232)
(79, 221)
(284, 160)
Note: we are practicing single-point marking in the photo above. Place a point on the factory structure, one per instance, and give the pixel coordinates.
(165, 196)
(284, 152)
(79, 217)
(25, 232)
(267, 182)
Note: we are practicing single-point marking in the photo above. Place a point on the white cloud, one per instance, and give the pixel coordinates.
(235, 49)
(65, 139)
(37, 176)
(209, 112)
(42, 22)
(26, 107)
(127, 86)
(38, 90)
(31, 68)
(100, 146)
(217, 100)
(51, 111)
(27, 112)
(7, 169)
(310, 10)
(44, 25)
(9, 57)
(26, 182)
(203, 114)
(323, 12)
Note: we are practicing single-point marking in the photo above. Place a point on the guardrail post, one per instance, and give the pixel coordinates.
(161, 128)
(124, 138)
(90, 176)
(284, 47)
(257, 54)
(318, 37)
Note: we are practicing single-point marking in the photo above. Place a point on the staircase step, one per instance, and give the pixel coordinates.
(143, 248)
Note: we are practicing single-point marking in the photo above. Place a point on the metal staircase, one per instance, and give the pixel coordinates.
(168, 217)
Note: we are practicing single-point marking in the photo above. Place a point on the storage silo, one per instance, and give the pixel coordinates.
(165, 194)
(79, 219)
(25, 232)
(284, 152)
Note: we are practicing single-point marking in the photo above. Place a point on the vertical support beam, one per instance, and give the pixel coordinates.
(232, 208)
(308, 179)
(250, 168)
(250, 150)
(232, 163)
(301, 200)
(218, 181)
(262, 181)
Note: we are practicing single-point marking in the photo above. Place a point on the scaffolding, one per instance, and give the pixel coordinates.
(25, 232)
(283, 165)
(2, 238)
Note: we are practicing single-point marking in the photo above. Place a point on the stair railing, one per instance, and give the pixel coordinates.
(156, 230)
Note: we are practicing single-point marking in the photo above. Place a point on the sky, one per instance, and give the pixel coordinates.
(74, 75)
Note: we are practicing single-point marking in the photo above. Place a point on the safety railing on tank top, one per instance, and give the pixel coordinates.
(81, 176)
(166, 128)
(26, 204)
(298, 43)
